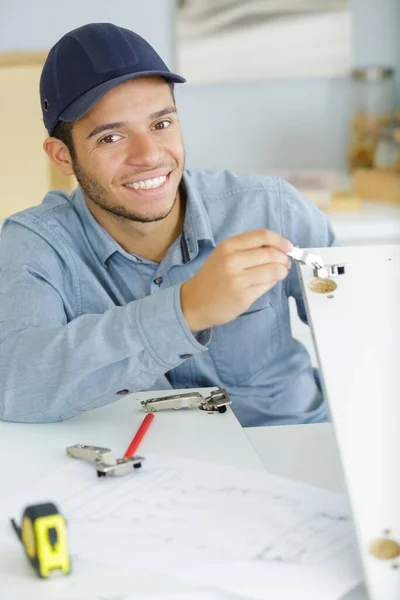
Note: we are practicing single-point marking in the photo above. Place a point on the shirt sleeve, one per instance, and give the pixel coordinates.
(52, 367)
(305, 226)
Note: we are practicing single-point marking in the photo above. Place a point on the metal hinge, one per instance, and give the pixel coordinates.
(217, 401)
(104, 460)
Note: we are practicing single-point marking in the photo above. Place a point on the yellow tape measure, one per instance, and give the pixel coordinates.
(43, 533)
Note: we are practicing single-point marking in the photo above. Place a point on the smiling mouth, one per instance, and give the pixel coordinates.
(148, 184)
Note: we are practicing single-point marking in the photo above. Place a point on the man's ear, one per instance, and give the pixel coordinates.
(59, 154)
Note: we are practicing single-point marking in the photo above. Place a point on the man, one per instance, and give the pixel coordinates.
(147, 276)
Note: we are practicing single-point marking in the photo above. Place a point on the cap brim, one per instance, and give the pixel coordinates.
(77, 109)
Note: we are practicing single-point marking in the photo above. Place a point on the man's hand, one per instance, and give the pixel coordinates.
(240, 270)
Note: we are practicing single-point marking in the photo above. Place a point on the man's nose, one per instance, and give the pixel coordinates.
(144, 150)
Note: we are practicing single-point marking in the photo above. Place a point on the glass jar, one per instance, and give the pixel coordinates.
(373, 108)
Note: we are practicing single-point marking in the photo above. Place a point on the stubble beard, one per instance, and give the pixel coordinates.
(98, 194)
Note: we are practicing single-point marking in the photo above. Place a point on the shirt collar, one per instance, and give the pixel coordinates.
(101, 241)
(196, 224)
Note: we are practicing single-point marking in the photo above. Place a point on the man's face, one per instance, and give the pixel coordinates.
(129, 154)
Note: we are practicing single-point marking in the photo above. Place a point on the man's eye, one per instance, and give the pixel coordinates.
(162, 125)
(109, 139)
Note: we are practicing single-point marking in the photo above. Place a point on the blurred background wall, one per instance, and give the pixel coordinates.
(256, 127)
(287, 124)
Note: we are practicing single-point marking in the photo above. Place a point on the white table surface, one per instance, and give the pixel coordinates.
(218, 438)
(304, 452)
(29, 451)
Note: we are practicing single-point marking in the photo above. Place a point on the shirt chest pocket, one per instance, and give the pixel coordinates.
(241, 348)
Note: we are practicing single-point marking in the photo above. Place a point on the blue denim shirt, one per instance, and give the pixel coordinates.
(81, 319)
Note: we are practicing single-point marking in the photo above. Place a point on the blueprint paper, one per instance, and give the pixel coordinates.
(233, 530)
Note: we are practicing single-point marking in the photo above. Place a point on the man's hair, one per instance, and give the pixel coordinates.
(63, 130)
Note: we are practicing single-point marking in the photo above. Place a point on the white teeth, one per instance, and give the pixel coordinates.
(148, 184)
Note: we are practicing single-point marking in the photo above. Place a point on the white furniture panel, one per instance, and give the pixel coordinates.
(357, 338)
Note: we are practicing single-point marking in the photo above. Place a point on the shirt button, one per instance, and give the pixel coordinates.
(185, 355)
(158, 280)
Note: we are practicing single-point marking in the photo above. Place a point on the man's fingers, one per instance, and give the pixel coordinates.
(256, 239)
(247, 259)
(263, 274)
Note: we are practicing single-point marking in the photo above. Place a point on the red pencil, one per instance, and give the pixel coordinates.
(139, 436)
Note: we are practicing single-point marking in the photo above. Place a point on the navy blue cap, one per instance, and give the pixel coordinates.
(88, 62)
